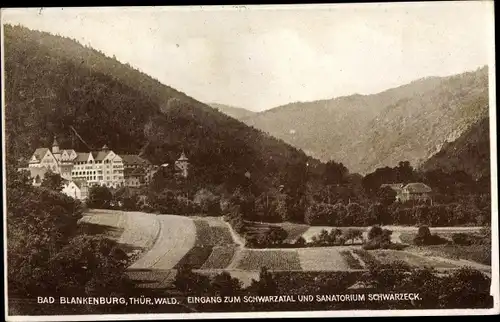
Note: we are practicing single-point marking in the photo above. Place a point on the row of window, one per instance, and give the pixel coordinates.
(97, 162)
(83, 173)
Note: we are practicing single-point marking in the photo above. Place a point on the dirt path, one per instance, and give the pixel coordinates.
(457, 262)
(240, 241)
(177, 236)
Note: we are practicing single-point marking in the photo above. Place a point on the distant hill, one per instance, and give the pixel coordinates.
(411, 122)
(469, 153)
(235, 112)
(52, 83)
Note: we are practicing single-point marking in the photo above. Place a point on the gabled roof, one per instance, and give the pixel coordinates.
(417, 187)
(99, 155)
(40, 153)
(82, 157)
(80, 183)
(131, 159)
(68, 151)
(38, 171)
(394, 186)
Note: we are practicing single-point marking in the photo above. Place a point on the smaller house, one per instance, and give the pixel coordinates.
(416, 191)
(135, 178)
(37, 175)
(77, 189)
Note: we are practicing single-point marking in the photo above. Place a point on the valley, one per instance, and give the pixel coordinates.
(206, 246)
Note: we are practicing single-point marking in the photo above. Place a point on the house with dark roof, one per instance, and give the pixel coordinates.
(136, 170)
(416, 191)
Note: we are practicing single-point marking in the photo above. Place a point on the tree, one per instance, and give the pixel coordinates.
(376, 214)
(466, 288)
(53, 181)
(208, 202)
(224, 285)
(375, 232)
(99, 197)
(191, 283)
(276, 236)
(405, 172)
(386, 196)
(335, 173)
(355, 214)
(353, 234)
(300, 242)
(281, 206)
(267, 284)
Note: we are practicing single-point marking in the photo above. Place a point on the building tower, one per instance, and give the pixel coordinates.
(55, 146)
(182, 165)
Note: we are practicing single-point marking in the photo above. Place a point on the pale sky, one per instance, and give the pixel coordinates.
(259, 57)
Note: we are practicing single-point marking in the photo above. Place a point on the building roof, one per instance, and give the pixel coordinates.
(40, 153)
(80, 183)
(38, 171)
(133, 159)
(68, 151)
(99, 155)
(82, 157)
(417, 187)
(55, 141)
(394, 186)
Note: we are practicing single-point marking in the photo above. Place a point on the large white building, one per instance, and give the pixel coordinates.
(103, 167)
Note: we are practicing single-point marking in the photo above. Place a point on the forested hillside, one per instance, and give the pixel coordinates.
(364, 132)
(235, 112)
(469, 153)
(52, 83)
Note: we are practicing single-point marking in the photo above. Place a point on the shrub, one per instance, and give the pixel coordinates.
(379, 238)
(374, 232)
(300, 242)
(424, 231)
(424, 237)
(467, 239)
(208, 202)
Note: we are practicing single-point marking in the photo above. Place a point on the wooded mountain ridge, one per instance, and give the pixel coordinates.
(364, 132)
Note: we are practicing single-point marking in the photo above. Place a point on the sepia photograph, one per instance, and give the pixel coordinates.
(191, 162)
